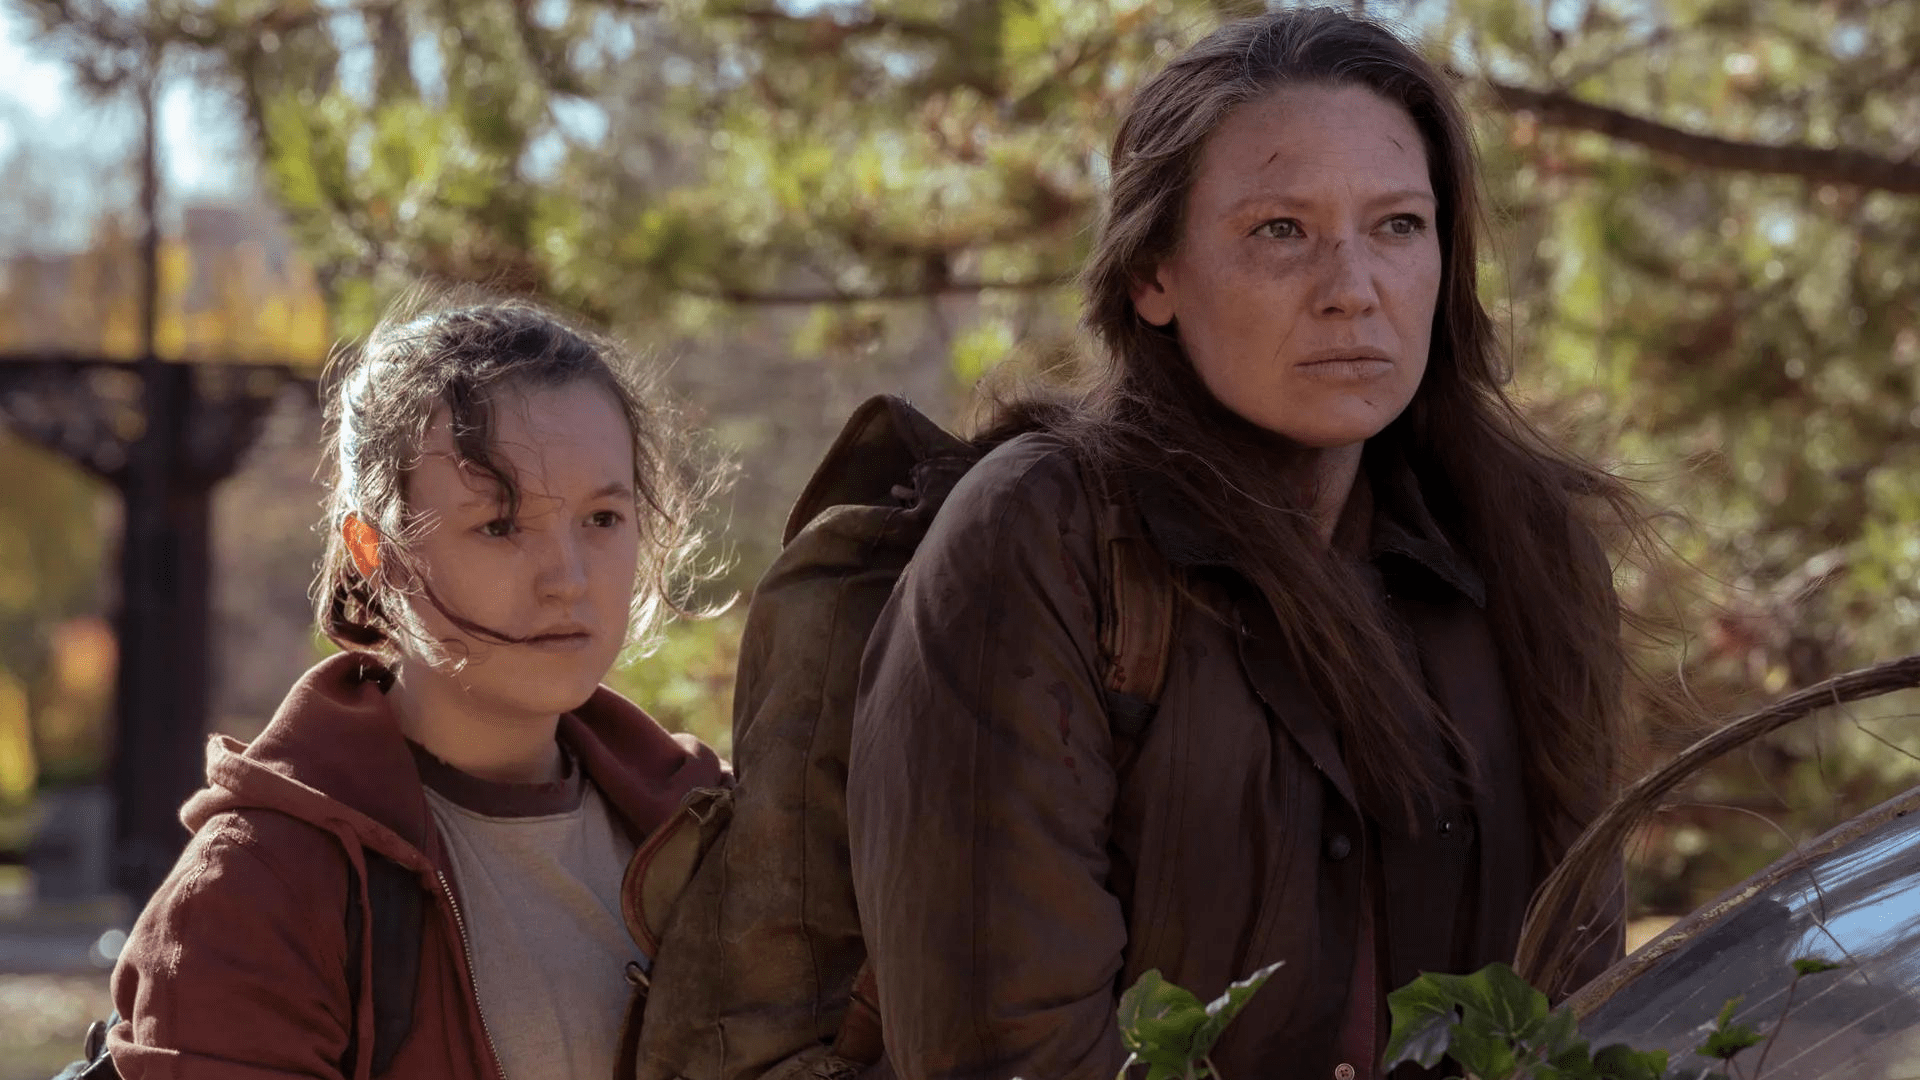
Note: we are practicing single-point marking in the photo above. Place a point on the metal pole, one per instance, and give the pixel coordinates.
(161, 685)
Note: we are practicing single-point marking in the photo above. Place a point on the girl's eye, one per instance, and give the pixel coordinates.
(605, 519)
(1406, 224)
(1278, 229)
(498, 528)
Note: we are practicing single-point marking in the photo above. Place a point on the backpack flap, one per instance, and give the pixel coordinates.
(665, 864)
(883, 442)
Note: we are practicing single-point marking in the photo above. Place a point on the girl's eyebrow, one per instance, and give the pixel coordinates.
(623, 490)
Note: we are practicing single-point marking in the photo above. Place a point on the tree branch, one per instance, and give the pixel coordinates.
(1854, 168)
(825, 28)
(804, 297)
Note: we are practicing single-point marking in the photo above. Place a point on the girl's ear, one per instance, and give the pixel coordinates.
(363, 543)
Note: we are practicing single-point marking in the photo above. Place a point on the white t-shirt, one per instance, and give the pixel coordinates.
(537, 869)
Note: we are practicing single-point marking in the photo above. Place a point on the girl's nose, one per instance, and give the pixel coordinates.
(563, 570)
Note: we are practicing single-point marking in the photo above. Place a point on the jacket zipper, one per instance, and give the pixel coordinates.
(466, 945)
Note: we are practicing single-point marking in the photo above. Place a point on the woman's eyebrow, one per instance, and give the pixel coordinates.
(1280, 200)
(1404, 195)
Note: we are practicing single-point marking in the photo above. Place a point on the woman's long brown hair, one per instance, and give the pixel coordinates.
(1526, 512)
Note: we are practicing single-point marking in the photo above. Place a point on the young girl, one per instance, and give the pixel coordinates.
(499, 477)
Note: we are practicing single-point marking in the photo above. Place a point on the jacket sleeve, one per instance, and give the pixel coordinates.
(235, 970)
(980, 789)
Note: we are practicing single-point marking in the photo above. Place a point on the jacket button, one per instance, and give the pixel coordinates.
(1446, 827)
(1339, 847)
(1343, 1071)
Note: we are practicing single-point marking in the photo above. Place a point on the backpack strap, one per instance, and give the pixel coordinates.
(1136, 631)
(356, 940)
(397, 905)
(860, 1039)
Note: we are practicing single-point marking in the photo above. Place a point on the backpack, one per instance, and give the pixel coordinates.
(746, 902)
(398, 908)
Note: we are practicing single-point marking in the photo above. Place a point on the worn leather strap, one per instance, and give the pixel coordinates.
(859, 1040)
(1136, 632)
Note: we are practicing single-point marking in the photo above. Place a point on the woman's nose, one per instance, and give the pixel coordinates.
(1346, 288)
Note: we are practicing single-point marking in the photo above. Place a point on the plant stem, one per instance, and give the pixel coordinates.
(1761, 1068)
(1212, 1069)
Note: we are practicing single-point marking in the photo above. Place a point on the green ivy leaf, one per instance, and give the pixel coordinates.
(1423, 1013)
(1511, 1006)
(1622, 1062)
(1222, 1010)
(1693, 1071)
(1813, 965)
(1729, 1040)
(1575, 1069)
(1159, 1022)
(1481, 1047)
(1558, 1039)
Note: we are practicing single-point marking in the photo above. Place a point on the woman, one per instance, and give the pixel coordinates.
(507, 514)
(1394, 684)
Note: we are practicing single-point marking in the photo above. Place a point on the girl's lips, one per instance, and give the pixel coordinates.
(560, 642)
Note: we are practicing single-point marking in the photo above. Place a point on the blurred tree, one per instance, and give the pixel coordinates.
(1707, 213)
(230, 289)
(51, 567)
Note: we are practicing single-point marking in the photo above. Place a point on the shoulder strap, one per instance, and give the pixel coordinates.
(1136, 631)
(398, 908)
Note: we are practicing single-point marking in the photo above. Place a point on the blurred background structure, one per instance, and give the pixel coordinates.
(1707, 261)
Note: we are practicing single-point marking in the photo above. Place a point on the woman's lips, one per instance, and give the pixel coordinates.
(1347, 368)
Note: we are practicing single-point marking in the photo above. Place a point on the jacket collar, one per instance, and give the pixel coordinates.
(334, 756)
(1400, 530)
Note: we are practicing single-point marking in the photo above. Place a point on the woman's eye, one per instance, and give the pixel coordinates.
(498, 528)
(1406, 225)
(1278, 229)
(605, 519)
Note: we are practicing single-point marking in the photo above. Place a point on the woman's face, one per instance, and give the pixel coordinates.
(560, 574)
(1308, 266)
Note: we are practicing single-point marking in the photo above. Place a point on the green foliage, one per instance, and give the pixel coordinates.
(1497, 1027)
(1167, 1029)
(686, 683)
(1813, 965)
(1728, 1037)
(1738, 341)
(52, 562)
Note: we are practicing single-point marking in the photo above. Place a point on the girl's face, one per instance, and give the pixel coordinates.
(559, 576)
(1308, 268)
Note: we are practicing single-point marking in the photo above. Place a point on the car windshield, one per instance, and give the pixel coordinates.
(1851, 898)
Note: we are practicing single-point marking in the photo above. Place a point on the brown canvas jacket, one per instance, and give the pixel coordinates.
(1012, 880)
(236, 969)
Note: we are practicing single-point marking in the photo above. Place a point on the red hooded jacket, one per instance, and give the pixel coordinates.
(236, 970)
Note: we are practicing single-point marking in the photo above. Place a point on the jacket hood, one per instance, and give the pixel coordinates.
(334, 756)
